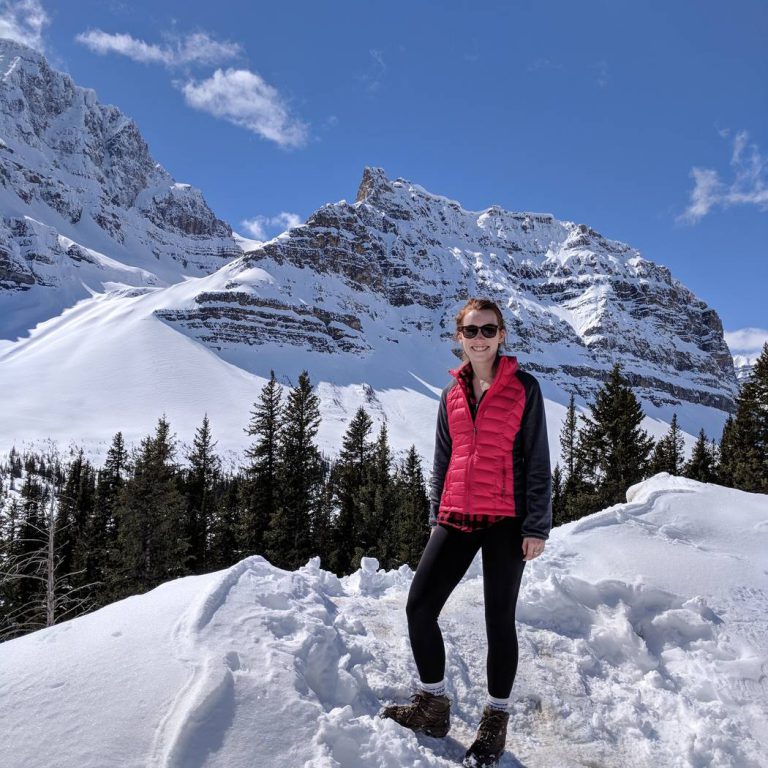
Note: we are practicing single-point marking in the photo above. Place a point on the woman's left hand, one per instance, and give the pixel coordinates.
(532, 548)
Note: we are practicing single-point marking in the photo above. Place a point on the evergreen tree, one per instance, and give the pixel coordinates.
(350, 477)
(728, 453)
(225, 548)
(15, 462)
(21, 586)
(558, 511)
(714, 453)
(300, 475)
(152, 546)
(260, 489)
(201, 477)
(575, 491)
(410, 530)
(568, 439)
(10, 514)
(612, 448)
(700, 466)
(378, 499)
(744, 445)
(10, 520)
(30, 465)
(658, 459)
(102, 528)
(75, 508)
(32, 538)
(668, 452)
(322, 517)
(36, 591)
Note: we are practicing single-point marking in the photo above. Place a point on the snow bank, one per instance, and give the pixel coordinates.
(642, 633)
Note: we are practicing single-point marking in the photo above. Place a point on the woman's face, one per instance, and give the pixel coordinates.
(481, 350)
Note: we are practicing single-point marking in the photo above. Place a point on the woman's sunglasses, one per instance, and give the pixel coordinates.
(470, 331)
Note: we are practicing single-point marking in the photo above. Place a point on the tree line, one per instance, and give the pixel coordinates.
(605, 451)
(74, 538)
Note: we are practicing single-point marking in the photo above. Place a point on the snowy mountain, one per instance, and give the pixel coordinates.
(83, 203)
(643, 642)
(743, 365)
(130, 298)
(393, 267)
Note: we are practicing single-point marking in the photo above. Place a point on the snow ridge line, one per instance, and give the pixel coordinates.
(619, 513)
(210, 682)
(210, 679)
(201, 612)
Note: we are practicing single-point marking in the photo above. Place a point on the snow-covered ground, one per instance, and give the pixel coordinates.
(643, 642)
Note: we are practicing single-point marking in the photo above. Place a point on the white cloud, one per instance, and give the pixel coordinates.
(748, 186)
(746, 341)
(376, 71)
(331, 121)
(106, 42)
(196, 48)
(23, 21)
(378, 57)
(602, 73)
(257, 226)
(707, 192)
(237, 95)
(245, 99)
(541, 64)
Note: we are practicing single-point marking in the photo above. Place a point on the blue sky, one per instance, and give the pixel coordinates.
(648, 121)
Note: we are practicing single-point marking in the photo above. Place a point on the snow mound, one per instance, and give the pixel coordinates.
(642, 633)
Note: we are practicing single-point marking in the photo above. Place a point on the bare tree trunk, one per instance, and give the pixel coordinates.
(40, 566)
(50, 590)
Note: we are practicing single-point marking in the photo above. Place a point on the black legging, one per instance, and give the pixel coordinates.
(446, 558)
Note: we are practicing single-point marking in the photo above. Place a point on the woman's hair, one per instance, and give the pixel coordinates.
(479, 304)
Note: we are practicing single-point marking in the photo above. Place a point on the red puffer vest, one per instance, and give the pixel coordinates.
(479, 478)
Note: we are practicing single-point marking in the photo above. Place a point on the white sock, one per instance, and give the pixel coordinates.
(436, 689)
(494, 703)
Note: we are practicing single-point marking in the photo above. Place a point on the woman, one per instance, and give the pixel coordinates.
(491, 490)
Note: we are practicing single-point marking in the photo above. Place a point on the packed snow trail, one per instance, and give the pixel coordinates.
(642, 643)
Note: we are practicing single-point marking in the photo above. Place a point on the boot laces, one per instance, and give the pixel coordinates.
(418, 700)
(490, 724)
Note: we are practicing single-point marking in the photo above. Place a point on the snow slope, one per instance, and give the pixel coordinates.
(113, 363)
(109, 363)
(643, 638)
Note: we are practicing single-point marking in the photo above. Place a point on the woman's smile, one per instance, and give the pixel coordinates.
(481, 350)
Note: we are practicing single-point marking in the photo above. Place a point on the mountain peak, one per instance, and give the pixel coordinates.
(14, 54)
(78, 178)
(374, 180)
(15, 48)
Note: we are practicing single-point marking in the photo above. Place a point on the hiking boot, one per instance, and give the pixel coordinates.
(491, 738)
(428, 714)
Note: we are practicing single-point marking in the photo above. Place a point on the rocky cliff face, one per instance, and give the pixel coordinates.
(395, 265)
(73, 171)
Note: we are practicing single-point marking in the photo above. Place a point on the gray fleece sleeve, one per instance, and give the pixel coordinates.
(443, 445)
(538, 476)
